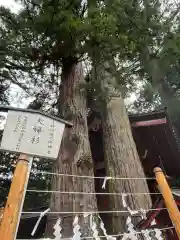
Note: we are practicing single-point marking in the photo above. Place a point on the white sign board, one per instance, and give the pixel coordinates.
(33, 134)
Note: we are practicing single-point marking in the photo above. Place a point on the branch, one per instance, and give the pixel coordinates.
(15, 66)
(16, 82)
(173, 15)
(29, 14)
(52, 17)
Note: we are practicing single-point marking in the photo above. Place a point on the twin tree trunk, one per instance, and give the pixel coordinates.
(122, 160)
(74, 158)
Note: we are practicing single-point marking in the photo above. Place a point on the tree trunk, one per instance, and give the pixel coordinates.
(74, 158)
(120, 154)
(122, 160)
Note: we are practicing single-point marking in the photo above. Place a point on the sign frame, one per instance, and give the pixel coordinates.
(7, 108)
(35, 112)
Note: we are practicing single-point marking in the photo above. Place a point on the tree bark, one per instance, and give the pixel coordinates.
(122, 160)
(74, 158)
(120, 154)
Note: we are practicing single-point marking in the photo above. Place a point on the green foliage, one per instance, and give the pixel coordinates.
(46, 35)
(155, 56)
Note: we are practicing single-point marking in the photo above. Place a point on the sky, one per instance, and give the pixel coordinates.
(10, 4)
(16, 95)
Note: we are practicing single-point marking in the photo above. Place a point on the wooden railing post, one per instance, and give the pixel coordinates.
(12, 211)
(168, 199)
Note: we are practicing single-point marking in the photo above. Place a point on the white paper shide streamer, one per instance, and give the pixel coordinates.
(38, 221)
(57, 228)
(76, 228)
(108, 237)
(132, 232)
(105, 180)
(95, 229)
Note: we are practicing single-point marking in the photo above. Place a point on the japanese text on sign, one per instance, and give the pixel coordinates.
(33, 134)
(22, 130)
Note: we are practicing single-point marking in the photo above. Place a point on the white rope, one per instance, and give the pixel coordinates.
(96, 212)
(92, 177)
(91, 193)
(117, 235)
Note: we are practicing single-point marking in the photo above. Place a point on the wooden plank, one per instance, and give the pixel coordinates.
(13, 205)
(153, 122)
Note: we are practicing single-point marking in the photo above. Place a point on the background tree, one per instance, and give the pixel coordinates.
(159, 56)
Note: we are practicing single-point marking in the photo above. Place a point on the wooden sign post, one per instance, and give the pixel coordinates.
(16, 194)
(34, 134)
